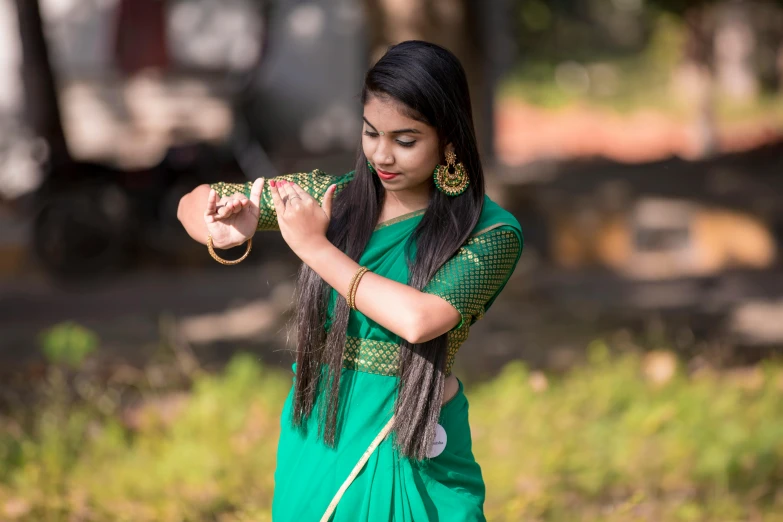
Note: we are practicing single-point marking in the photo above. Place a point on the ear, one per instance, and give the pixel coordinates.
(448, 148)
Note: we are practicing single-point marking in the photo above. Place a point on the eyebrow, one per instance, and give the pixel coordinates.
(400, 131)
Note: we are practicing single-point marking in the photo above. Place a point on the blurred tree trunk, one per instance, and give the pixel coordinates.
(42, 108)
(460, 26)
(699, 52)
(779, 65)
(727, 42)
(735, 46)
(141, 36)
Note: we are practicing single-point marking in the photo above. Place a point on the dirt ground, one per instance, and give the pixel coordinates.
(525, 134)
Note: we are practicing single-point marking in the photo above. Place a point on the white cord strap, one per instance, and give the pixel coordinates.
(356, 469)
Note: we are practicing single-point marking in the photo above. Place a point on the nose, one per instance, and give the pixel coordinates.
(383, 154)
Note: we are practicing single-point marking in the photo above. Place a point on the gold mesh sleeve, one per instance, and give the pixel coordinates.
(471, 280)
(314, 183)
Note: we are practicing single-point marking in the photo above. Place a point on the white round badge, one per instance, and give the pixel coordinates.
(439, 442)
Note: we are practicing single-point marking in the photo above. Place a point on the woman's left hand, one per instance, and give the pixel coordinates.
(303, 222)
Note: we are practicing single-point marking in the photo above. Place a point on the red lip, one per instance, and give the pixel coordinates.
(386, 175)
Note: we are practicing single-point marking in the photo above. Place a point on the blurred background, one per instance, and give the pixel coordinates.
(630, 370)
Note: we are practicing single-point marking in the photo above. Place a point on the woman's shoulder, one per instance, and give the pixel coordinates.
(493, 216)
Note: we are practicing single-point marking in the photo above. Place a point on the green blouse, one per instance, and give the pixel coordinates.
(470, 281)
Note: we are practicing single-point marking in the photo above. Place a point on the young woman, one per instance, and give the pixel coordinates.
(400, 257)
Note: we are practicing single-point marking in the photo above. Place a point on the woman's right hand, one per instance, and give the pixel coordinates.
(234, 219)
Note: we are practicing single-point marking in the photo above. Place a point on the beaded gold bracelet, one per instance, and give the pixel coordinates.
(222, 261)
(351, 295)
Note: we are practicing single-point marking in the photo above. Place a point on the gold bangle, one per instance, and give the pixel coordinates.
(351, 296)
(350, 287)
(355, 286)
(222, 261)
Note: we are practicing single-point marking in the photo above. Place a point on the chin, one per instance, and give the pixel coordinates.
(397, 187)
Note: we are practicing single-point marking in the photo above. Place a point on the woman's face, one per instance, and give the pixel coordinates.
(403, 151)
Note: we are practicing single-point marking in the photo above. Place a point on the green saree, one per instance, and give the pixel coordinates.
(389, 487)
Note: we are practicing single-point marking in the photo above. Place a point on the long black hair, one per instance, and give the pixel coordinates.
(431, 85)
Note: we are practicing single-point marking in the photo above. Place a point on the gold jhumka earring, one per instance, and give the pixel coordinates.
(451, 179)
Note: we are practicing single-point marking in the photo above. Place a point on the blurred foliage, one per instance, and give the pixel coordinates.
(622, 82)
(570, 30)
(601, 29)
(579, 69)
(188, 457)
(604, 442)
(683, 6)
(617, 54)
(68, 344)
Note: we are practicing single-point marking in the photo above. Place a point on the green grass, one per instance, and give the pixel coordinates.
(604, 444)
(600, 443)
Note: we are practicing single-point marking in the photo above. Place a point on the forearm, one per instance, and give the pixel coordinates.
(405, 311)
(190, 213)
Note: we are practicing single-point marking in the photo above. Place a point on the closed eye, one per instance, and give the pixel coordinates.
(372, 134)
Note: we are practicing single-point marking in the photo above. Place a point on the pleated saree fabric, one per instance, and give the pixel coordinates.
(390, 487)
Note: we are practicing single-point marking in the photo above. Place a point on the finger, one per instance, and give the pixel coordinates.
(234, 202)
(225, 210)
(276, 198)
(328, 198)
(290, 192)
(255, 192)
(299, 191)
(239, 198)
(211, 202)
(238, 203)
(302, 197)
(222, 208)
